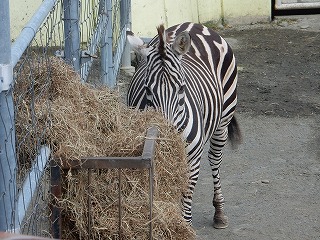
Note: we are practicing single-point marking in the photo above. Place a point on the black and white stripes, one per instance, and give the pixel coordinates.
(189, 73)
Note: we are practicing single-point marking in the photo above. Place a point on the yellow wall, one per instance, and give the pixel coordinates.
(209, 10)
(147, 14)
(246, 11)
(20, 13)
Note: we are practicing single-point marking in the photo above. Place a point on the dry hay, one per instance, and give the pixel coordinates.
(31, 91)
(87, 121)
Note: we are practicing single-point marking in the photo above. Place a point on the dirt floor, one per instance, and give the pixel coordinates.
(272, 182)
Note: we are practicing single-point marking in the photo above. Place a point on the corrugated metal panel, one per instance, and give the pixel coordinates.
(296, 4)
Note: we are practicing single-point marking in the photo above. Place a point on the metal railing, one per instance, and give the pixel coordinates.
(82, 32)
(145, 161)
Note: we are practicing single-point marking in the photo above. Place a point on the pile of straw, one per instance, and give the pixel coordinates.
(87, 121)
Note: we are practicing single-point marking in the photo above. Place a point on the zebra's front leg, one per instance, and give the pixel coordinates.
(194, 165)
(217, 142)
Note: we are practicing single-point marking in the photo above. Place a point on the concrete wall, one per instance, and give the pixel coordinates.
(20, 13)
(246, 11)
(209, 10)
(147, 14)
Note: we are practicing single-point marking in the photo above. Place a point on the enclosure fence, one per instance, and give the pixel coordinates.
(84, 33)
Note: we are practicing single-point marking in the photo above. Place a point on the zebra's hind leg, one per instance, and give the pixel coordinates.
(220, 220)
(217, 142)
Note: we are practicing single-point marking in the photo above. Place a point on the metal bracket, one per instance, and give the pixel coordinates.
(6, 77)
(59, 53)
(85, 55)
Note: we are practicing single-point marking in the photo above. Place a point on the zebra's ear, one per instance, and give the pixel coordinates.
(138, 45)
(182, 43)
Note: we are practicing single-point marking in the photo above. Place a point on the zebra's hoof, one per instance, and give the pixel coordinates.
(220, 222)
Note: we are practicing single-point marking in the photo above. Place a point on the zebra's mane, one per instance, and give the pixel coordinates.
(162, 41)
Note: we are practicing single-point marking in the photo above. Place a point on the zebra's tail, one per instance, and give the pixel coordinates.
(234, 133)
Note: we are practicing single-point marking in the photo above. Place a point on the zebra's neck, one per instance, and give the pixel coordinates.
(182, 119)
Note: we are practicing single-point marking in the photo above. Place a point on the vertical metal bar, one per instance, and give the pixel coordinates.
(72, 32)
(56, 193)
(126, 56)
(120, 211)
(111, 78)
(119, 51)
(122, 15)
(89, 203)
(8, 164)
(104, 66)
(106, 50)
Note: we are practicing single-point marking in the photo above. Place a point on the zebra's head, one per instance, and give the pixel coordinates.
(164, 78)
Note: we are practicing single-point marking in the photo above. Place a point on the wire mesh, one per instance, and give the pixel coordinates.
(32, 112)
(32, 97)
(103, 36)
(92, 27)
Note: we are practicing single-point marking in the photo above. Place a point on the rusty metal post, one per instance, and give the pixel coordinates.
(150, 199)
(89, 203)
(120, 208)
(56, 194)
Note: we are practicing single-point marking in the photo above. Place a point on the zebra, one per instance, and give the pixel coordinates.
(188, 73)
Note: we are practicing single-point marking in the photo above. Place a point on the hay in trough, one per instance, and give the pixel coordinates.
(87, 121)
